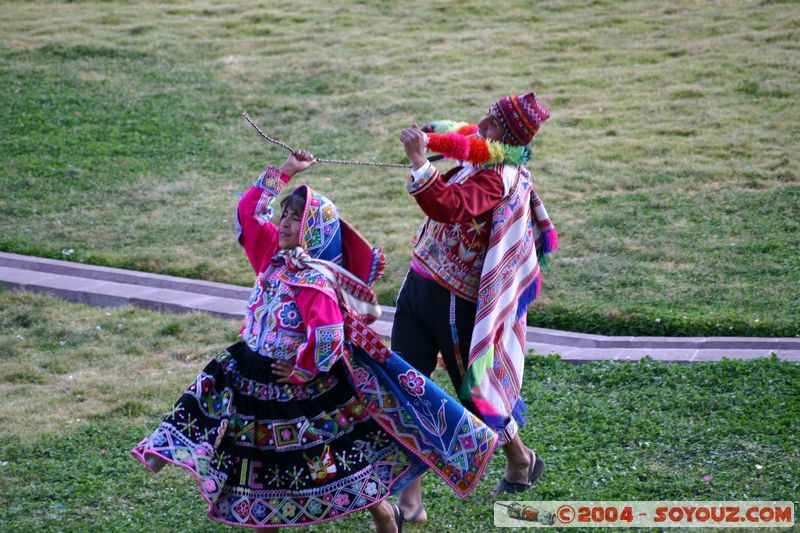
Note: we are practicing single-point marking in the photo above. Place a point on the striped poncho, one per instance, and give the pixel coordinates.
(521, 234)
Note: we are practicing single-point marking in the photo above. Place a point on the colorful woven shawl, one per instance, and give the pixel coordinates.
(436, 429)
(353, 294)
(521, 233)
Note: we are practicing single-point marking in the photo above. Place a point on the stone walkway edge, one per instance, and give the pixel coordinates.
(112, 287)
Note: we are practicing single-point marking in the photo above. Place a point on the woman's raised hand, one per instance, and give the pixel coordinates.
(299, 161)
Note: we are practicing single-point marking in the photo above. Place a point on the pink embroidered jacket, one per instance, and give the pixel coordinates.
(282, 320)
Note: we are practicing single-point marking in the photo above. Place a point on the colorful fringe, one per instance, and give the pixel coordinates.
(457, 140)
(451, 126)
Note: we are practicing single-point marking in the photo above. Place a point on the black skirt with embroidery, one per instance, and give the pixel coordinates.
(268, 454)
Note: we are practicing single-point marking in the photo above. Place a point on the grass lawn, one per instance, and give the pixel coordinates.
(668, 165)
(84, 385)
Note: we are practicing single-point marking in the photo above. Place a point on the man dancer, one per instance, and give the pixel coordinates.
(474, 271)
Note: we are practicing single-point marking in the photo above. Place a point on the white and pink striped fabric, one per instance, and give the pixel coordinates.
(510, 281)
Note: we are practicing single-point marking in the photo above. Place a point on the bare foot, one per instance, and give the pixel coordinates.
(518, 460)
(518, 469)
(410, 501)
(383, 517)
(415, 516)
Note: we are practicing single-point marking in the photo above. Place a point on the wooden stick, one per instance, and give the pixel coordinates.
(320, 160)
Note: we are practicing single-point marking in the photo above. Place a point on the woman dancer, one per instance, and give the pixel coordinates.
(310, 417)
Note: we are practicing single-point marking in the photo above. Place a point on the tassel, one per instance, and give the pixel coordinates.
(476, 150)
(497, 423)
(518, 412)
(528, 295)
(549, 241)
(467, 129)
(452, 126)
(489, 414)
(475, 373)
(544, 262)
(497, 153)
(495, 420)
(546, 244)
(447, 126)
(450, 145)
(514, 155)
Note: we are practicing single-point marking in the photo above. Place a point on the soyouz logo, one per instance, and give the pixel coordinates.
(683, 514)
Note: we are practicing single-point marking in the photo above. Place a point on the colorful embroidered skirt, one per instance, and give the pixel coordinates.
(270, 455)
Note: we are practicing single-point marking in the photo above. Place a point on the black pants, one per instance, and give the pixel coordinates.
(422, 328)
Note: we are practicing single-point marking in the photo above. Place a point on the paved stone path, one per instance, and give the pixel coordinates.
(110, 287)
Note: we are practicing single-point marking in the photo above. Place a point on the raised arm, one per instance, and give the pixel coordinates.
(459, 202)
(257, 234)
(455, 202)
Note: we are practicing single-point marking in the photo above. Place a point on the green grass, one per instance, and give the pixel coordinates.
(77, 398)
(668, 164)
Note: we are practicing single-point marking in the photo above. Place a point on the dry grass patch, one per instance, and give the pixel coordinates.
(64, 364)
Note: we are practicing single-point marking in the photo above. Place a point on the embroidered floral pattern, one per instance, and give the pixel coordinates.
(273, 324)
(258, 510)
(360, 375)
(290, 315)
(255, 294)
(289, 510)
(413, 383)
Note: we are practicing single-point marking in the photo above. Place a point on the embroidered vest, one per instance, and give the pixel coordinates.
(273, 326)
(453, 254)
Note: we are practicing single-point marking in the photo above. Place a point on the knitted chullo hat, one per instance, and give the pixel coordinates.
(521, 117)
